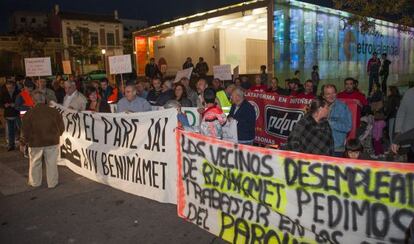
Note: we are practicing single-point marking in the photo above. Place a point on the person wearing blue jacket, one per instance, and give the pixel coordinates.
(340, 119)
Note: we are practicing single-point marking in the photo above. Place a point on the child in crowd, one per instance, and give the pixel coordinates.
(354, 150)
(213, 118)
(377, 133)
(364, 132)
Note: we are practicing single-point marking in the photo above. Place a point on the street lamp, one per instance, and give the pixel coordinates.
(103, 51)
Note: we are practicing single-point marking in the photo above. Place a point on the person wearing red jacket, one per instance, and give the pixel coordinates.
(351, 93)
(308, 91)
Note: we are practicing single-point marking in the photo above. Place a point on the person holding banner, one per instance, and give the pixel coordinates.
(131, 103)
(73, 99)
(312, 134)
(213, 117)
(167, 93)
(94, 103)
(245, 115)
(42, 128)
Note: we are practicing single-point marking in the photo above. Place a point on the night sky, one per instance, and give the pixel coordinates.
(153, 11)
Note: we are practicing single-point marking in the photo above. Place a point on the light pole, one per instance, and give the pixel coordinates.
(103, 51)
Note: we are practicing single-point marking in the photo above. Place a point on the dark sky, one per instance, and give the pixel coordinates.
(154, 11)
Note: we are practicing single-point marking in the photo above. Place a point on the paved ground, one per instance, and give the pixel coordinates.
(82, 211)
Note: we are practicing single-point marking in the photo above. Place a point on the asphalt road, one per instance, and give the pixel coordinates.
(79, 210)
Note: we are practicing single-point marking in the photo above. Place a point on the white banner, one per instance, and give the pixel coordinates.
(133, 152)
(120, 64)
(222, 72)
(38, 66)
(183, 73)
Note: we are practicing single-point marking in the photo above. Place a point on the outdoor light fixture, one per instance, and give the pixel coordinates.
(103, 51)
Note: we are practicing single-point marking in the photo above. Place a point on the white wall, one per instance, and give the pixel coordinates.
(233, 46)
(176, 49)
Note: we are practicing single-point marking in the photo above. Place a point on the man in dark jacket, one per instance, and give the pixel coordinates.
(312, 134)
(152, 70)
(11, 114)
(244, 113)
(42, 128)
(201, 68)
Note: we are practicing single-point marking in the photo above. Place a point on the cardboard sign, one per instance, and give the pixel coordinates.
(38, 66)
(183, 73)
(67, 69)
(222, 72)
(120, 64)
(246, 194)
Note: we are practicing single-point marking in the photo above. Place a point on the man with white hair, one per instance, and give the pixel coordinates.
(132, 103)
(244, 113)
(73, 99)
(41, 129)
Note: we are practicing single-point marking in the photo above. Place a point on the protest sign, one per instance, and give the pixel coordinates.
(183, 73)
(276, 115)
(120, 64)
(36, 67)
(131, 152)
(222, 72)
(247, 194)
(67, 69)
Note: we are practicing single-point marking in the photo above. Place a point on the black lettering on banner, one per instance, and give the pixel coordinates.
(245, 232)
(107, 130)
(135, 169)
(397, 218)
(189, 168)
(118, 134)
(156, 136)
(244, 161)
(90, 159)
(86, 127)
(94, 139)
(192, 148)
(134, 124)
(128, 130)
(198, 215)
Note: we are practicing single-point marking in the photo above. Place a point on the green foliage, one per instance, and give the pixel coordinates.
(32, 42)
(84, 50)
(400, 12)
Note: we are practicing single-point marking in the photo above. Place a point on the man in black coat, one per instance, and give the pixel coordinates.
(152, 70)
(8, 96)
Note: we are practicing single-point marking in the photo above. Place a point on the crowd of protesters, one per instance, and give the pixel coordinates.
(384, 120)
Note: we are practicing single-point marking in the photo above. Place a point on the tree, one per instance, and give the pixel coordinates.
(32, 42)
(82, 48)
(400, 12)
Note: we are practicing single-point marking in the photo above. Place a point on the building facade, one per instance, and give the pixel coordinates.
(284, 35)
(104, 37)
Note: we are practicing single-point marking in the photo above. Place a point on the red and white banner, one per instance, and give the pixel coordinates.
(276, 115)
